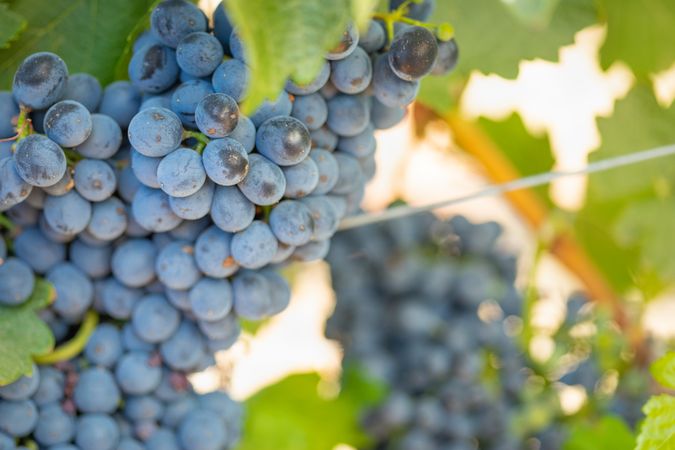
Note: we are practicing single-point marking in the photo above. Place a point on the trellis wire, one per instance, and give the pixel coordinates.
(502, 188)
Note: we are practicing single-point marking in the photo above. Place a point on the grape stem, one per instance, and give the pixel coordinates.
(202, 140)
(443, 31)
(72, 157)
(73, 347)
(6, 223)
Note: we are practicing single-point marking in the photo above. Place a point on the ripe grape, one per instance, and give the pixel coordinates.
(85, 89)
(40, 80)
(153, 68)
(39, 160)
(413, 53)
(172, 20)
(199, 54)
(226, 161)
(217, 115)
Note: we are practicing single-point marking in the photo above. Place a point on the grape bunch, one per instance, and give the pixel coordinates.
(438, 292)
(117, 395)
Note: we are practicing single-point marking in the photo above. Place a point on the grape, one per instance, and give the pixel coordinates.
(446, 60)
(255, 246)
(348, 115)
(127, 443)
(324, 215)
(96, 432)
(324, 138)
(74, 291)
(211, 299)
(201, 430)
(105, 138)
(418, 10)
(133, 262)
(199, 54)
(252, 296)
(121, 102)
(328, 170)
(217, 115)
(226, 161)
(127, 183)
(40, 253)
(104, 347)
(68, 123)
(212, 253)
(18, 418)
(136, 374)
(157, 101)
(172, 20)
(153, 68)
(8, 110)
(264, 184)
(23, 388)
(85, 89)
(181, 172)
(231, 211)
(145, 169)
(94, 179)
(144, 407)
(389, 89)
(118, 300)
(375, 37)
(184, 349)
(237, 46)
(226, 328)
(40, 80)
(292, 223)
(280, 293)
(186, 97)
(108, 219)
(16, 283)
(132, 342)
(39, 160)
(155, 132)
(312, 251)
(231, 77)
(352, 74)
(281, 106)
(144, 39)
(348, 42)
(222, 27)
(383, 116)
(93, 261)
(328, 90)
(152, 211)
(284, 140)
(313, 86)
(176, 266)
(413, 53)
(23, 214)
(154, 319)
(362, 145)
(195, 206)
(96, 391)
(68, 214)
(244, 133)
(6, 150)
(311, 110)
(301, 179)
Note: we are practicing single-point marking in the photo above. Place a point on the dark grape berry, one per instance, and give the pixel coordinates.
(348, 42)
(217, 115)
(284, 140)
(39, 160)
(172, 20)
(413, 53)
(68, 123)
(40, 80)
(153, 68)
(448, 54)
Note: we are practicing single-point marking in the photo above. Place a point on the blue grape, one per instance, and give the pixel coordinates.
(40, 80)
(389, 89)
(283, 253)
(212, 253)
(328, 169)
(413, 53)
(133, 262)
(136, 374)
(224, 329)
(36, 199)
(280, 292)
(8, 110)
(217, 115)
(328, 90)
(181, 172)
(384, 117)
(184, 349)
(108, 219)
(145, 169)
(127, 183)
(153, 68)
(348, 115)
(92, 260)
(237, 46)
(40, 253)
(420, 10)
(231, 77)
(244, 133)
(301, 179)
(162, 439)
(74, 291)
(252, 296)
(68, 123)
(190, 230)
(18, 419)
(23, 214)
(324, 138)
(292, 223)
(199, 54)
(352, 75)
(152, 211)
(195, 206)
(145, 38)
(201, 430)
(6, 150)
(176, 266)
(186, 97)
(37, 119)
(172, 20)
(222, 27)
(104, 347)
(211, 299)
(16, 283)
(118, 300)
(39, 160)
(145, 407)
(360, 146)
(368, 166)
(23, 388)
(121, 102)
(347, 44)
(68, 214)
(154, 319)
(157, 101)
(51, 387)
(281, 106)
(96, 391)
(105, 138)
(85, 89)
(180, 299)
(132, 342)
(312, 251)
(255, 246)
(265, 183)
(226, 161)
(94, 179)
(177, 409)
(313, 86)
(350, 177)
(96, 432)
(446, 60)
(127, 443)
(375, 37)
(155, 132)
(311, 110)
(326, 219)
(231, 211)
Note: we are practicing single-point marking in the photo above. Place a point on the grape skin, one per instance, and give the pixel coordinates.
(39, 161)
(40, 80)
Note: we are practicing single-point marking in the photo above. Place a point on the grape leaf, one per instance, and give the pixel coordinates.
(535, 13)
(610, 433)
(313, 422)
(663, 370)
(23, 334)
(11, 24)
(89, 35)
(639, 34)
(658, 429)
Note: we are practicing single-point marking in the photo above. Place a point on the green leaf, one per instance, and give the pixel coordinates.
(608, 433)
(535, 13)
(362, 11)
(658, 429)
(292, 415)
(286, 39)
(23, 335)
(663, 370)
(89, 35)
(11, 24)
(639, 33)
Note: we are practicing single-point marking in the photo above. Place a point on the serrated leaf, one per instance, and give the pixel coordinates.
(285, 39)
(89, 35)
(639, 33)
(23, 335)
(663, 370)
(658, 429)
(11, 24)
(608, 433)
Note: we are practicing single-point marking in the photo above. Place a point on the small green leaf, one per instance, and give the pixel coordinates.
(11, 24)
(23, 335)
(658, 429)
(609, 433)
(286, 39)
(362, 10)
(663, 370)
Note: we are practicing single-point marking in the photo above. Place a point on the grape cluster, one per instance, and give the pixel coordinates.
(118, 395)
(420, 306)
